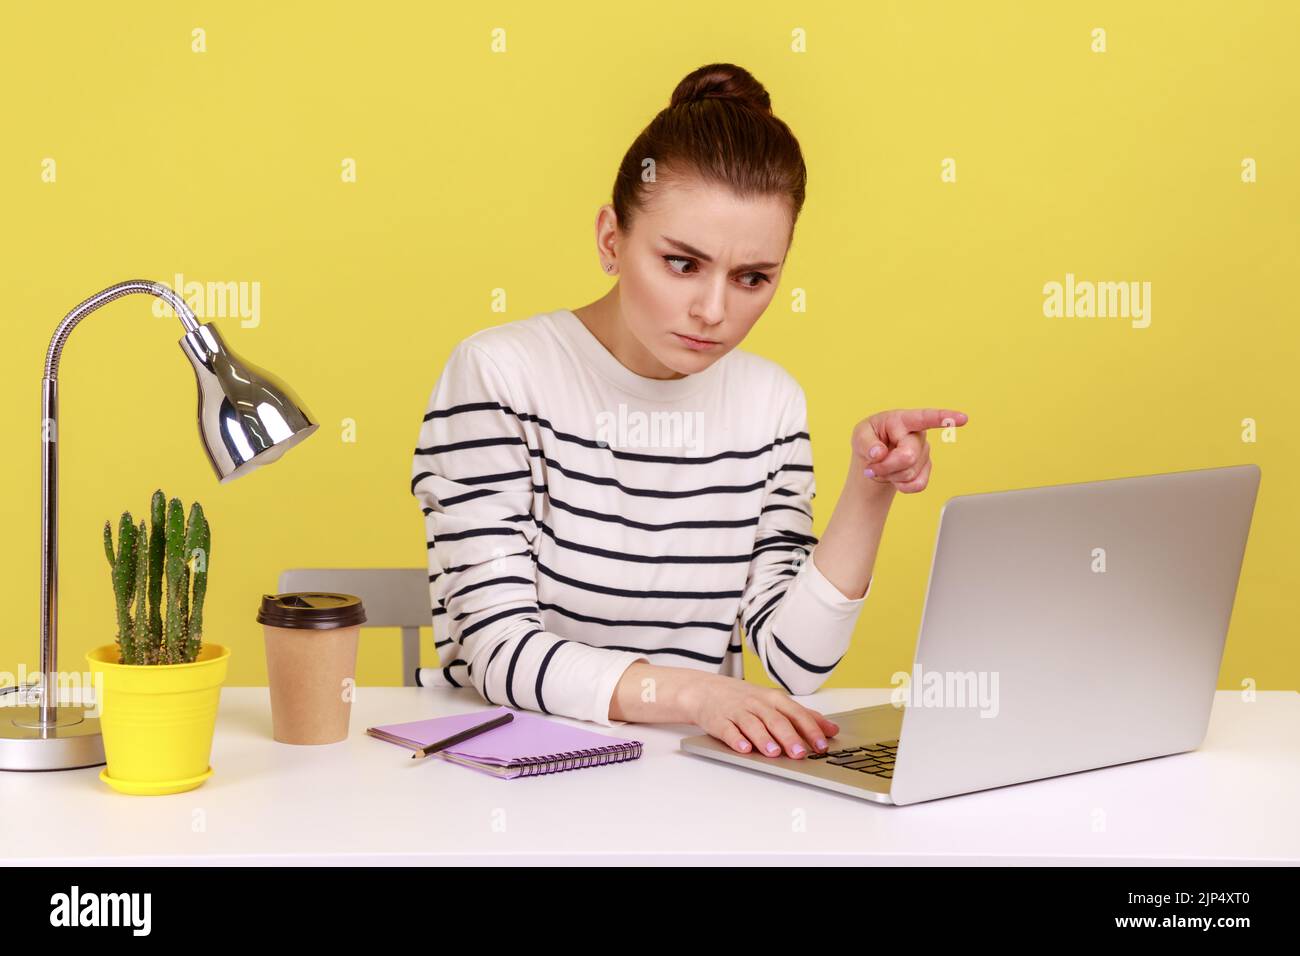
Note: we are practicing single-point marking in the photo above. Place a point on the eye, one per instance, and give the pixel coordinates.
(759, 277)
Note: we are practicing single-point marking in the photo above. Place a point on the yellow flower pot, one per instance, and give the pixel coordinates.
(157, 719)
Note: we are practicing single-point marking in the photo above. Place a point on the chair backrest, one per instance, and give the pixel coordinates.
(393, 597)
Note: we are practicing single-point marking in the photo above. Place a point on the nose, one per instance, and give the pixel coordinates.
(710, 308)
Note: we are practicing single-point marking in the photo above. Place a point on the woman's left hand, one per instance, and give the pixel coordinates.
(891, 448)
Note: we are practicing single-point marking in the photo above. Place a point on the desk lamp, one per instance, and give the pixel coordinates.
(247, 418)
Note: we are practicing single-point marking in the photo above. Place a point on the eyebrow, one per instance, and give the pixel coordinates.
(691, 250)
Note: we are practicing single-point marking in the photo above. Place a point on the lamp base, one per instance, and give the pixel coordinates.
(75, 742)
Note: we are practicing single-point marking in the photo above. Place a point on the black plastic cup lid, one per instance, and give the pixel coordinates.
(318, 610)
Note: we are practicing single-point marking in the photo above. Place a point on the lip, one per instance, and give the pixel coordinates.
(694, 343)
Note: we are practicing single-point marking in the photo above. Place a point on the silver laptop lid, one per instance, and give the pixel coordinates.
(1072, 627)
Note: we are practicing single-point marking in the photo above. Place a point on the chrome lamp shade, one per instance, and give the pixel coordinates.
(247, 418)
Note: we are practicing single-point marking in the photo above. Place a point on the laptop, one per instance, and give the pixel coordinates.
(1065, 628)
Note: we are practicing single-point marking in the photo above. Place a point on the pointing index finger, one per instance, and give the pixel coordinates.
(919, 419)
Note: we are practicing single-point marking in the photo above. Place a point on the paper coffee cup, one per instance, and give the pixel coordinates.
(311, 663)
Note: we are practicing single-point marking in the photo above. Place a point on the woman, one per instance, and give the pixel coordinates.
(612, 492)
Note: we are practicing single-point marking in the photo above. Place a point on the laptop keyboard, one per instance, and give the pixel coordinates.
(876, 759)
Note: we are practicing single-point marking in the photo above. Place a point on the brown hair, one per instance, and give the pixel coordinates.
(719, 127)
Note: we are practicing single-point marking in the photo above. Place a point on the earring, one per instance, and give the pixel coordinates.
(609, 267)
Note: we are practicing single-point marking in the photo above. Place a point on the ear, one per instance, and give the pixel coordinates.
(608, 234)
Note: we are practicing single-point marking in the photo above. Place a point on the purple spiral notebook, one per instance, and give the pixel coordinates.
(527, 746)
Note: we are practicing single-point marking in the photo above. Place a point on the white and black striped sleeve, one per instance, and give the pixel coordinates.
(473, 477)
(798, 622)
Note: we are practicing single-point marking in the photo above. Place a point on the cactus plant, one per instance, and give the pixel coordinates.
(123, 578)
(140, 626)
(157, 514)
(174, 564)
(153, 627)
(198, 546)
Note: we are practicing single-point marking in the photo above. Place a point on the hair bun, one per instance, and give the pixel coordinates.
(722, 81)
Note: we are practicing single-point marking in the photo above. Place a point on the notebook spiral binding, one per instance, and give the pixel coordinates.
(575, 759)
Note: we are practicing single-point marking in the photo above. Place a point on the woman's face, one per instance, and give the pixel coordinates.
(700, 263)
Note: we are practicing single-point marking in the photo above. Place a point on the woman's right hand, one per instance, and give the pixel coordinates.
(745, 717)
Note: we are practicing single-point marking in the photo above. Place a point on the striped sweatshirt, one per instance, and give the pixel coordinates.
(580, 517)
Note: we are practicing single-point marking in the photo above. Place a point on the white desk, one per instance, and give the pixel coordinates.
(363, 801)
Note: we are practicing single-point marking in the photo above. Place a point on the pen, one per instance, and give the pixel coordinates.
(463, 735)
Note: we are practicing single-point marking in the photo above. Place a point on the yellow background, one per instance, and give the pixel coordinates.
(479, 171)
